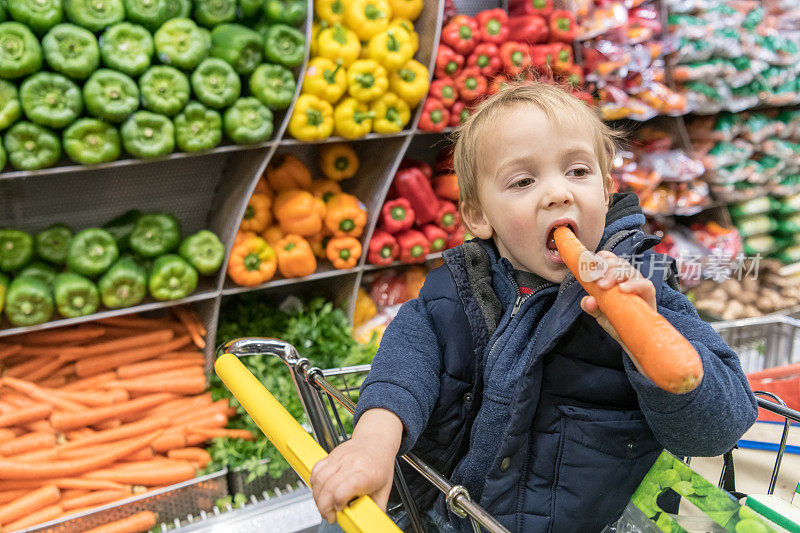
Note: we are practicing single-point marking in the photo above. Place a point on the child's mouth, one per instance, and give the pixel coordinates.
(550, 242)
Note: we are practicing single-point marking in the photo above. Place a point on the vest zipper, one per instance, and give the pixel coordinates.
(517, 304)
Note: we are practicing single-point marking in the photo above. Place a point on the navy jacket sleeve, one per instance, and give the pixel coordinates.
(709, 420)
(405, 373)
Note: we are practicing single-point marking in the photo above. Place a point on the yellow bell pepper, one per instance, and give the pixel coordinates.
(339, 43)
(365, 308)
(313, 40)
(312, 119)
(391, 48)
(331, 11)
(352, 119)
(367, 17)
(391, 113)
(409, 9)
(366, 80)
(409, 27)
(325, 79)
(338, 161)
(410, 82)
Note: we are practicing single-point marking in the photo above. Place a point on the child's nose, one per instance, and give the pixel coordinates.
(557, 194)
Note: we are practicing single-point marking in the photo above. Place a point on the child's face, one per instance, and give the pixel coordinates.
(534, 175)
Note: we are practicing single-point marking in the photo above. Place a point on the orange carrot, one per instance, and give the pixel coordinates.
(33, 501)
(46, 370)
(11, 495)
(39, 425)
(88, 451)
(86, 398)
(27, 367)
(193, 356)
(25, 414)
(118, 345)
(170, 440)
(66, 370)
(68, 483)
(73, 493)
(164, 474)
(102, 363)
(47, 454)
(179, 384)
(6, 435)
(46, 514)
(133, 524)
(665, 356)
(198, 456)
(151, 367)
(178, 407)
(107, 424)
(65, 421)
(221, 432)
(29, 442)
(8, 351)
(124, 431)
(220, 406)
(55, 381)
(18, 400)
(37, 393)
(63, 335)
(93, 498)
(90, 382)
(190, 325)
(132, 322)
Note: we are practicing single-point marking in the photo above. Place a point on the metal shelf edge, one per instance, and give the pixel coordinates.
(284, 282)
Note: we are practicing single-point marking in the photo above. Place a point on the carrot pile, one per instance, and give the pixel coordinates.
(95, 413)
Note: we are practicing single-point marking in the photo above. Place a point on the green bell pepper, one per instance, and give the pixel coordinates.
(179, 9)
(20, 53)
(3, 18)
(164, 90)
(50, 99)
(284, 45)
(198, 128)
(3, 288)
(147, 134)
(91, 252)
(10, 108)
(89, 141)
(182, 43)
(38, 15)
(52, 243)
(291, 12)
(274, 85)
(31, 147)
(16, 249)
(204, 251)
(127, 48)
(94, 14)
(75, 295)
(251, 8)
(149, 13)
(248, 121)
(238, 45)
(28, 302)
(41, 271)
(111, 95)
(215, 83)
(155, 234)
(209, 13)
(71, 50)
(124, 285)
(172, 278)
(122, 226)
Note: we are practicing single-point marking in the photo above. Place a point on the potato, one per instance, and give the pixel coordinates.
(748, 297)
(719, 294)
(750, 285)
(765, 304)
(732, 287)
(710, 306)
(733, 311)
(752, 311)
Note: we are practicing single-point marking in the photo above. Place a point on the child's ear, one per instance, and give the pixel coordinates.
(609, 186)
(476, 221)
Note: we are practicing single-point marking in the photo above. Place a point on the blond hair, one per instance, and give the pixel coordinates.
(556, 103)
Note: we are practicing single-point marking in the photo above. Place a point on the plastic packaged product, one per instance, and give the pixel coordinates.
(789, 225)
(694, 50)
(756, 206)
(674, 165)
(664, 100)
(727, 153)
(728, 174)
(786, 150)
(790, 254)
(755, 225)
(688, 26)
(698, 70)
(705, 98)
(788, 205)
(791, 121)
(769, 167)
(786, 186)
(602, 20)
(759, 127)
(784, 94)
(759, 244)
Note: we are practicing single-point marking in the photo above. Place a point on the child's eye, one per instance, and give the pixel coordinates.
(522, 183)
(580, 172)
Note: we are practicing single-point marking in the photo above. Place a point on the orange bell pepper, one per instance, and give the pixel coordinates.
(338, 161)
(252, 261)
(343, 252)
(272, 235)
(298, 212)
(263, 187)
(325, 189)
(345, 217)
(257, 216)
(319, 242)
(285, 171)
(242, 235)
(295, 258)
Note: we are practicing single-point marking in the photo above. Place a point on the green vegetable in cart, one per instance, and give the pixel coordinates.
(164, 90)
(179, 9)
(284, 45)
(20, 53)
(122, 226)
(10, 108)
(238, 45)
(94, 14)
(3, 287)
(75, 295)
(248, 121)
(31, 147)
(155, 234)
(38, 15)
(274, 85)
(210, 13)
(182, 43)
(28, 302)
(71, 50)
(89, 141)
(291, 12)
(172, 278)
(215, 83)
(50, 99)
(198, 128)
(111, 95)
(41, 271)
(127, 48)
(147, 134)
(204, 251)
(124, 285)
(91, 252)
(149, 13)
(16, 249)
(251, 8)
(51, 244)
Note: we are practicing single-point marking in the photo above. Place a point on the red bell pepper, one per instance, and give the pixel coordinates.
(448, 62)
(444, 161)
(585, 96)
(455, 238)
(562, 26)
(446, 187)
(447, 216)
(436, 236)
(531, 29)
(414, 186)
(445, 90)
(435, 116)
(461, 34)
(426, 169)
(499, 83)
(542, 8)
(493, 25)
(562, 56)
(516, 57)
(458, 113)
(542, 57)
(383, 248)
(413, 246)
(486, 57)
(575, 78)
(471, 84)
(397, 215)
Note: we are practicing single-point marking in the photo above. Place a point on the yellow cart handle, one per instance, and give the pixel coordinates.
(302, 452)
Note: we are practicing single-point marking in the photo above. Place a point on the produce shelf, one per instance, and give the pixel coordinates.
(429, 257)
(290, 141)
(326, 271)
